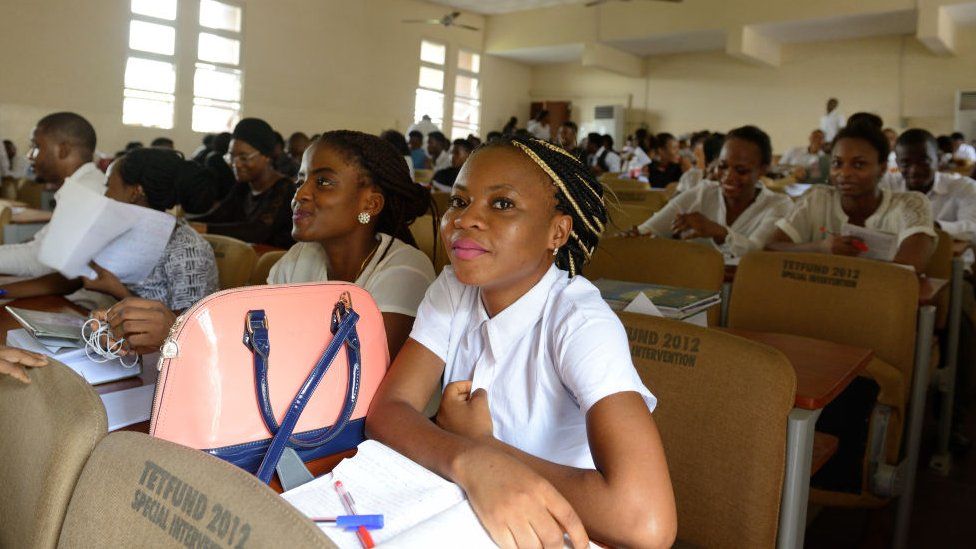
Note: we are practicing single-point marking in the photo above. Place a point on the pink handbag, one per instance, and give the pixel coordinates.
(249, 371)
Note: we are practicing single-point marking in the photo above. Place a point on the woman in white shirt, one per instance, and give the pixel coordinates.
(539, 126)
(737, 213)
(351, 218)
(539, 383)
(859, 159)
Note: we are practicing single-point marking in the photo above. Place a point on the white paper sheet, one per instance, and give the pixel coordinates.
(76, 359)
(128, 406)
(643, 305)
(124, 239)
(881, 245)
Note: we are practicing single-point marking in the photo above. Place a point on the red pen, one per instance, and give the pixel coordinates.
(858, 244)
(350, 506)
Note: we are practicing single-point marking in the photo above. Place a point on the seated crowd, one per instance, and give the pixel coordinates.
(540, 395)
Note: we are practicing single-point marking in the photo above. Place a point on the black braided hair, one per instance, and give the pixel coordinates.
(168, 179)
(866, 131)
(578, 195)
(384, 166)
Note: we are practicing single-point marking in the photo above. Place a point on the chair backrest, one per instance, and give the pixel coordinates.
(29, 192)
(940, 266)
(846, 300)
(651, 198)
(441, 202)
(6, 215)
(625, 215)
(235, 260)
(8, 188)
(723, 405)
(47, 431)
(263, 267)
(139, 491)
(423, 176)
(423, 232)
(617, 184)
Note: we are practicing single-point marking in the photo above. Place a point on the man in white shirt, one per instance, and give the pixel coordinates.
(438, 149)
(539, 126)
(425, 126)
(62, 149)
(805, 161)
(833, 121)
(953, 196)
(605, 159)
(13, 165)
(962, 152)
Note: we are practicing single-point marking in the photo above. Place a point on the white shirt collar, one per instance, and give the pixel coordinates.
(87, 175)
(515, 321)
(882, 208)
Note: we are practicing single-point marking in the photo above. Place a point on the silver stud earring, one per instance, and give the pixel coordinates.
(363, 217)
(555, 252)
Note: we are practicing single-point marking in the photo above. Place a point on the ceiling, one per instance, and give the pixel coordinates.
(679, 42)
(841, 28)
(503, 6)
(563, 53)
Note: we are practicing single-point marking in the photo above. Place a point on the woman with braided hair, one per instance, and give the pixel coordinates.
(351, 218)
(538, 382)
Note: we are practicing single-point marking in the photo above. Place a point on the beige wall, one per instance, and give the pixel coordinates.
(687, 92)
(309, 65)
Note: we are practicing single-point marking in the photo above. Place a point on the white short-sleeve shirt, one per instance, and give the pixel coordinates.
(953, 199)
(544, 361)
(901, 214)
(397, 276)
(750, 231)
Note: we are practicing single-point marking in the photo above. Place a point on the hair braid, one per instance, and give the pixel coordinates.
(385, 167)
(578, 195)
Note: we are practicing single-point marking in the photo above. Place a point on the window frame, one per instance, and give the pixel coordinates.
(443, 68)
(198, 29)
(131, 53)
(458, 72)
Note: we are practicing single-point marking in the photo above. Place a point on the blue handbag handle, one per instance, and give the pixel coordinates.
(343, 327)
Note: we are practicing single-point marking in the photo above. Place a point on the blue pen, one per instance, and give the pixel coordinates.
(352, 522)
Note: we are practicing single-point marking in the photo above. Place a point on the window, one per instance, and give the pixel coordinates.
(217, 74)
(151, 72)
(149, 91)
(430, 90)
(466, 116)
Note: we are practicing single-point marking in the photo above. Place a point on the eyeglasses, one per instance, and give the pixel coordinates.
(242, 158)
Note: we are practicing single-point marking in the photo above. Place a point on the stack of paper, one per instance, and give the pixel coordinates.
(880, 245)
(74, 358)
(126, 240)
(677, 303)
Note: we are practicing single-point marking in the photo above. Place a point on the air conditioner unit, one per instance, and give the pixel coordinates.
(966, 113)
(606, 120)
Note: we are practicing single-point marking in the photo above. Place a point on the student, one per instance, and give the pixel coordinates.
(187, 270)
(805, 161)
(953, 196)
(538, 382)
(737, 212)
(858, 161)
(639, 155)
(258, 211)
(963, 153)
(707, 150)
(604, 159)
(206, 146)
(224, 179)
(163, 143)
(444, 179)
(16, 165)
(493, 137)
(281, 161)
(297, 143)
(62, 153)
(667, 168)
(351, 219)
(14, 363)
(833, 121)
(417, 153)
(474, 140)
(566, 138)
(539, 126)
(437, 148)
(399, 143)
(426, 126)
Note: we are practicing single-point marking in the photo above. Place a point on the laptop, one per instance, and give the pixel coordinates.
(59, 329)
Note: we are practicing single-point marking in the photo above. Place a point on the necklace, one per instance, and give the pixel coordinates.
(362, 266)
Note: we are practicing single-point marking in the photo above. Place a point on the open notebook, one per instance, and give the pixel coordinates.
(420, 508)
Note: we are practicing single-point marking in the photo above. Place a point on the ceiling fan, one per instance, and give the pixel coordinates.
(449, 20)
(599, 2)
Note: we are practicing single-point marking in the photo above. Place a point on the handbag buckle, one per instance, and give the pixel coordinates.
(253, 321)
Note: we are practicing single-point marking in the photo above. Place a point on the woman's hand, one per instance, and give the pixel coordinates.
(142, 322)
(696, 225)
(842, 245)
(465, 413)
(14, 362)
(516, 505)
(106, 282)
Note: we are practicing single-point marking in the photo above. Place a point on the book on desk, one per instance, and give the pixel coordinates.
(672, 302)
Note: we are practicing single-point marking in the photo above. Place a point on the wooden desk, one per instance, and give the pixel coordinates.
(823, 368)
(30, 215)
(262, 249)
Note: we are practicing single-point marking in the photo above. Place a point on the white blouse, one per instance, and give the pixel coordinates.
(397, 276)
(750, 231)
(820, 210)
(953, 199)
(545, 360)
